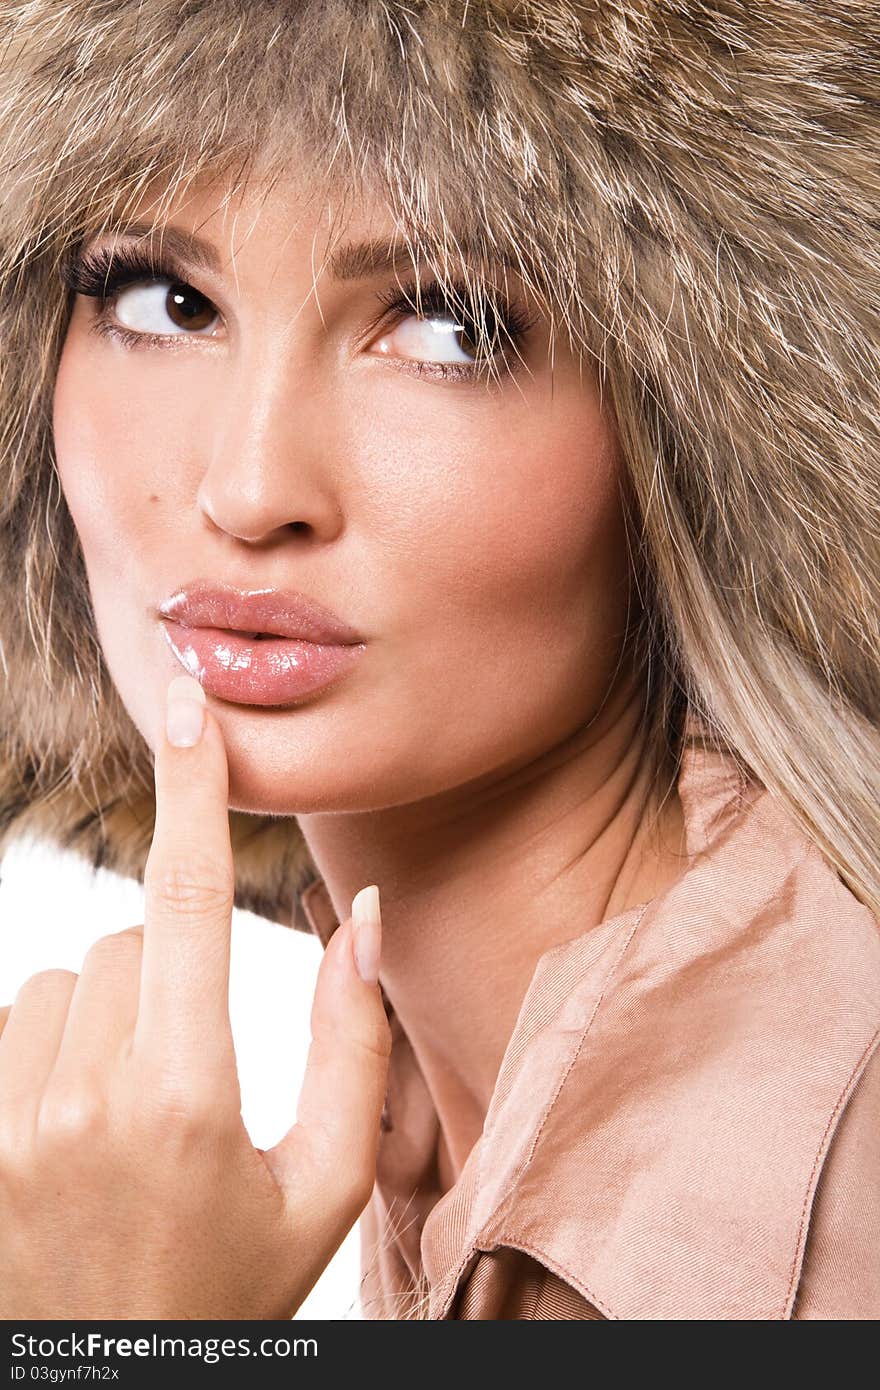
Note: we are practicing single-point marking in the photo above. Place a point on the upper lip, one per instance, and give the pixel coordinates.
(280, 612)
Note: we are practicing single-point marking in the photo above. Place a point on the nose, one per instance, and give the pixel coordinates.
(268, 474)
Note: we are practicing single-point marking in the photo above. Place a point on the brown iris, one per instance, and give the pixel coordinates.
(193, 309)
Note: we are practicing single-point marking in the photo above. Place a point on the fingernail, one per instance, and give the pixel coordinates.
(367, 922)
(185, 711)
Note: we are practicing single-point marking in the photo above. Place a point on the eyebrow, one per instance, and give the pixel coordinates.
(355, 260)
(185, 245)
(359, 260)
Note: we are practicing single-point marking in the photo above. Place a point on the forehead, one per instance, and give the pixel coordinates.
(209, 218)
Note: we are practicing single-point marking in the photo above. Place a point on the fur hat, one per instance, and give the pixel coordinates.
(690, 188)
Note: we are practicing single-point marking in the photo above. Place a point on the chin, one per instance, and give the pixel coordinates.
(261, 790)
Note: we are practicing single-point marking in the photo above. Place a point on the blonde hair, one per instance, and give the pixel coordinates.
(700, 233)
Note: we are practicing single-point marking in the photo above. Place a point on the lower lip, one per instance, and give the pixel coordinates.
(264, 671)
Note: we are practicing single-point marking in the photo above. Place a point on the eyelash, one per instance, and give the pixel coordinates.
(102, 273)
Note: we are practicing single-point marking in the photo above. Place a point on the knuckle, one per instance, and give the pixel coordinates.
(47, 984)
(374, 1039)
(15, 1141)
(71, 1116)
(178, 1108)
(122, 946)
(368, 1039)
(191, 887)
(384, 1042)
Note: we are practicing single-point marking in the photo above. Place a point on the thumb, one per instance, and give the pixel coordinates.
(326, 1163)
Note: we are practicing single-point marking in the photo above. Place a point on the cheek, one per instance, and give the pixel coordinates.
(110, 444)
(108, 454)
(120, 447)
(88, 438)
(514, 516)
(509, 547)
(562, 525)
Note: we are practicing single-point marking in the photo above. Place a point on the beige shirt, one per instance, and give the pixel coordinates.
(686, 1123)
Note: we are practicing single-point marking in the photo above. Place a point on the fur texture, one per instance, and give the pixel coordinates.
(691, 190)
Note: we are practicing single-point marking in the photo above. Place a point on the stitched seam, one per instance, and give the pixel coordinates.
(739, 796)
(520, 1173)
(554, 1267)
(453, 1279)
(577, 1051)
(819, 1159)
(508, 1196)
(743, 784)
(518, 1176)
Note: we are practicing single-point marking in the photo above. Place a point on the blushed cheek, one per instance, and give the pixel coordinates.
(517, 580)
(524, 584)
(557, 535)
(579, 503)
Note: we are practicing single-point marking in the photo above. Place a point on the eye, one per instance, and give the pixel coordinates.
(151, 307)
(450, 333)
(433, 332)
(139, 301)
(438, 337)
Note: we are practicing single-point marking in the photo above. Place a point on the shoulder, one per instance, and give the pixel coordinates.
(759, 886)
(712, 1149)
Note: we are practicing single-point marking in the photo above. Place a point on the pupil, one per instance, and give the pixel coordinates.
(188, 304)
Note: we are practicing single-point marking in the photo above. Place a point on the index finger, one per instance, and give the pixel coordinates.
(183, 1006)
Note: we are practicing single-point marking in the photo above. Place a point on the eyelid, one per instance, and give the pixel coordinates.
(124, 263)
(431, 298)
(131, 258)
(104, 271)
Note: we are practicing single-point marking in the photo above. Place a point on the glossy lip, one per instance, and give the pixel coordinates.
(272, 671)
(278, 612)
(212, 627)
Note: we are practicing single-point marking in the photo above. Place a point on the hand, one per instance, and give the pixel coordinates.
(129, 1187)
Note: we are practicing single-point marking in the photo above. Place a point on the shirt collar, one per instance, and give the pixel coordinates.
(672, 1085)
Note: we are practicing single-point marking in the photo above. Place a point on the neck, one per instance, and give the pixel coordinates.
(476, 885)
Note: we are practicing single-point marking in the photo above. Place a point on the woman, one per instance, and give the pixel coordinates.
(538, 349)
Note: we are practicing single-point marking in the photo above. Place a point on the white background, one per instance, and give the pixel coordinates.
(54, 905)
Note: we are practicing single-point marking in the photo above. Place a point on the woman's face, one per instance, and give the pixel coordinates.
(275, 433)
